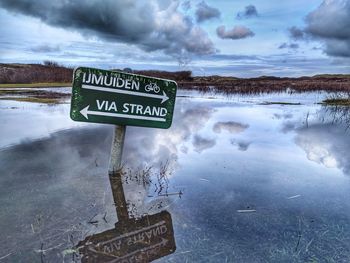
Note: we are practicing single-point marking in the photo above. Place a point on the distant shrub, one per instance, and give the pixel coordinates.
(127, 70)
(50, 63)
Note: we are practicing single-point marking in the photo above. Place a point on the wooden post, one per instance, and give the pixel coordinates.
(115, 173)
(117, 149)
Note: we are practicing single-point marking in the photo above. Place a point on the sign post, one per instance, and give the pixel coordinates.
(115, 174)
(117, 149)
(122, 99)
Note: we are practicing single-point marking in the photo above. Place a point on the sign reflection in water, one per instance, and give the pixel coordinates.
(132, 240)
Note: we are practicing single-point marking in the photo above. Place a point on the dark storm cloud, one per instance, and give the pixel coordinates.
(329, 23)
(249, 11)
(45, 48)
(296, 33)
(150, 25)
(286, 45)
(330, 20)
(238, 32)
(205, 12)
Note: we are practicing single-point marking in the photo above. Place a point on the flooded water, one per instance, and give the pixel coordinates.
(244, 179)
(65, 90)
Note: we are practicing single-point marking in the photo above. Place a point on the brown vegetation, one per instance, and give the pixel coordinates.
(269, 84)
(34, 73)
(52, 72)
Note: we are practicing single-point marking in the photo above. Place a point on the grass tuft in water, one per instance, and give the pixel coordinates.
(337, 102)
(279, 103)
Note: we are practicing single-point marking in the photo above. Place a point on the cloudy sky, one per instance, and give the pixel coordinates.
(237, 37)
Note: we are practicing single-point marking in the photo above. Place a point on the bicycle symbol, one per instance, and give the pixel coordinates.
(152, 87)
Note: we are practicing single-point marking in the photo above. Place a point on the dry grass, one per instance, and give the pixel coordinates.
(267, 85)
(279, 103)
(337, 102)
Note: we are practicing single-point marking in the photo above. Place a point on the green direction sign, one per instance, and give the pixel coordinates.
(121, 98)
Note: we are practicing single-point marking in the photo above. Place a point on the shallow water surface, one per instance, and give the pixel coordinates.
(243, 180)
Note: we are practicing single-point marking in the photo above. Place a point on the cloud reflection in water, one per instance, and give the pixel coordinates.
(326, 144)
(153, 147)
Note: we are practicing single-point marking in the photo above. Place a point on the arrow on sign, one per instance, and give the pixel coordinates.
(163, 97)
(85, 112)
